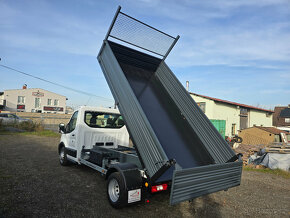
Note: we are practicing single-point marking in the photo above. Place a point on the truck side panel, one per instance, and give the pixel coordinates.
(150, 150)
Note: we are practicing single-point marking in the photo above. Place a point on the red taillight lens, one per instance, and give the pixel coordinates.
(158, 188)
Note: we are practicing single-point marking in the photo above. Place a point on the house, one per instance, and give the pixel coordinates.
(281, 116)
(2, 101)
(262, 135)
(235, 116)
(33, 100)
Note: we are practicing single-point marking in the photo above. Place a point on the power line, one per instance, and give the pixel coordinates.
(57, 84)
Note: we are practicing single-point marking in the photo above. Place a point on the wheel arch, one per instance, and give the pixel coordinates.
(120, 167)
(129, 172)
(60, 145)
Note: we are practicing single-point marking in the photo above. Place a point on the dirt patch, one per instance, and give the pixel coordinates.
(33, 184)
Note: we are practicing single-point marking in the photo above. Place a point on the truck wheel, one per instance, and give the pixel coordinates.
(62, 157)
(116, 190)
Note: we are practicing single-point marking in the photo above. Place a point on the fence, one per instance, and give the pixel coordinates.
(50, 121)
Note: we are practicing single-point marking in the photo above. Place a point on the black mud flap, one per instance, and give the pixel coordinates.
(194, 182)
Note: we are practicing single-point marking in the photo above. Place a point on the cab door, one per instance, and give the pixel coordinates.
(71, 135)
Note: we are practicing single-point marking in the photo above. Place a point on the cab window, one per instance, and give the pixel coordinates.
(103, 120)
(72, 123)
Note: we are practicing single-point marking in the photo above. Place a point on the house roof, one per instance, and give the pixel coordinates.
(27, 89)
(285, 112)
(272, 130)
(232, 103)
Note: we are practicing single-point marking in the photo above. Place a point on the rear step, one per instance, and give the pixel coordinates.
(194, 182)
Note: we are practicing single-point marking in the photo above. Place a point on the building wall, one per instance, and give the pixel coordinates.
(231, 114)
(2, 101)
(219, 111)
(260, 118)
(277, 120)
(209, 105)
(11, 97)
(256, 136)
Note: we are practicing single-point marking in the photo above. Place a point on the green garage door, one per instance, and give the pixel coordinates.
(220, 125)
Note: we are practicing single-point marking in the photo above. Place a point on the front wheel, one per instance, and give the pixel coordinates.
(116, 190)
(63, 157)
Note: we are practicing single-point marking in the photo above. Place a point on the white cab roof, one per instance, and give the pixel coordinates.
(100, 109)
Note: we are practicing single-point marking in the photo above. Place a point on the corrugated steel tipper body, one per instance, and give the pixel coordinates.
(174, 139)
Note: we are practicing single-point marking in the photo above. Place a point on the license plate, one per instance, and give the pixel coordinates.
(134, 195)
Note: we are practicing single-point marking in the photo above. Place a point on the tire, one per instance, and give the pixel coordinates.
(63, 157)
(116, 190)
(238, 139)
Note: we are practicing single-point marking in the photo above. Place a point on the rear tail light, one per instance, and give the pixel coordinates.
(158, 188)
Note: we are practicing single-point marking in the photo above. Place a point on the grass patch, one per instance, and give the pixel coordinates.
(47, 133)
(276, 172)
(26, 128)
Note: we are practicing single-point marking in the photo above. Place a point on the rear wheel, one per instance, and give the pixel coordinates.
(63, 157)
(116, 190)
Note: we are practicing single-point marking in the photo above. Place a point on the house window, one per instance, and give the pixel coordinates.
(233, 129)
(49, 102)
(37, 102)
(287, 120)
(244, 111)
(56, 102)
(202, 106)
(21, 100)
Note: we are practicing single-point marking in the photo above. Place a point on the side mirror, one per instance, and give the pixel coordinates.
(61, 128)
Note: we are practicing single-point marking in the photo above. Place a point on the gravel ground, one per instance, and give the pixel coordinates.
(33, 184)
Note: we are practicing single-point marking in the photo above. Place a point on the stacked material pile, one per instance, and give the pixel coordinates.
(273, 156)
(278, 148)
(248, 150)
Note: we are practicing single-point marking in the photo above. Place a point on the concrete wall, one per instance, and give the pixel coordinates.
(11, 97)
(44, 118)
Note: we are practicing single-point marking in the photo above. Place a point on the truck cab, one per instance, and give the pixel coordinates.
(92, 126)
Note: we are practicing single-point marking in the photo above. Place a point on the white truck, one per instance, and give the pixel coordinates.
(97, 137)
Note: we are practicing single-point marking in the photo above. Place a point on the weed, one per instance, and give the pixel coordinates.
(276, 172)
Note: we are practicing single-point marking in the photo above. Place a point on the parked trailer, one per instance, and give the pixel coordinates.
(176, 146)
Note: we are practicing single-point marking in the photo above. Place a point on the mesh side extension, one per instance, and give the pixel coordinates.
(134, 32)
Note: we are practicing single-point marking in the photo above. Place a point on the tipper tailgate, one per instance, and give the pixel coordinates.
(194, 182)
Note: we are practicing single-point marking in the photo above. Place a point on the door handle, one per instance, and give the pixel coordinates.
(73, 135)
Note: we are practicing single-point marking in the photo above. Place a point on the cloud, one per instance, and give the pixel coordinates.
(249, 37)
(232, 46)
(229, 32)
(58, 33)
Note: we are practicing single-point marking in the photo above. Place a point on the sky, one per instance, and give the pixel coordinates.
(228, 49)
